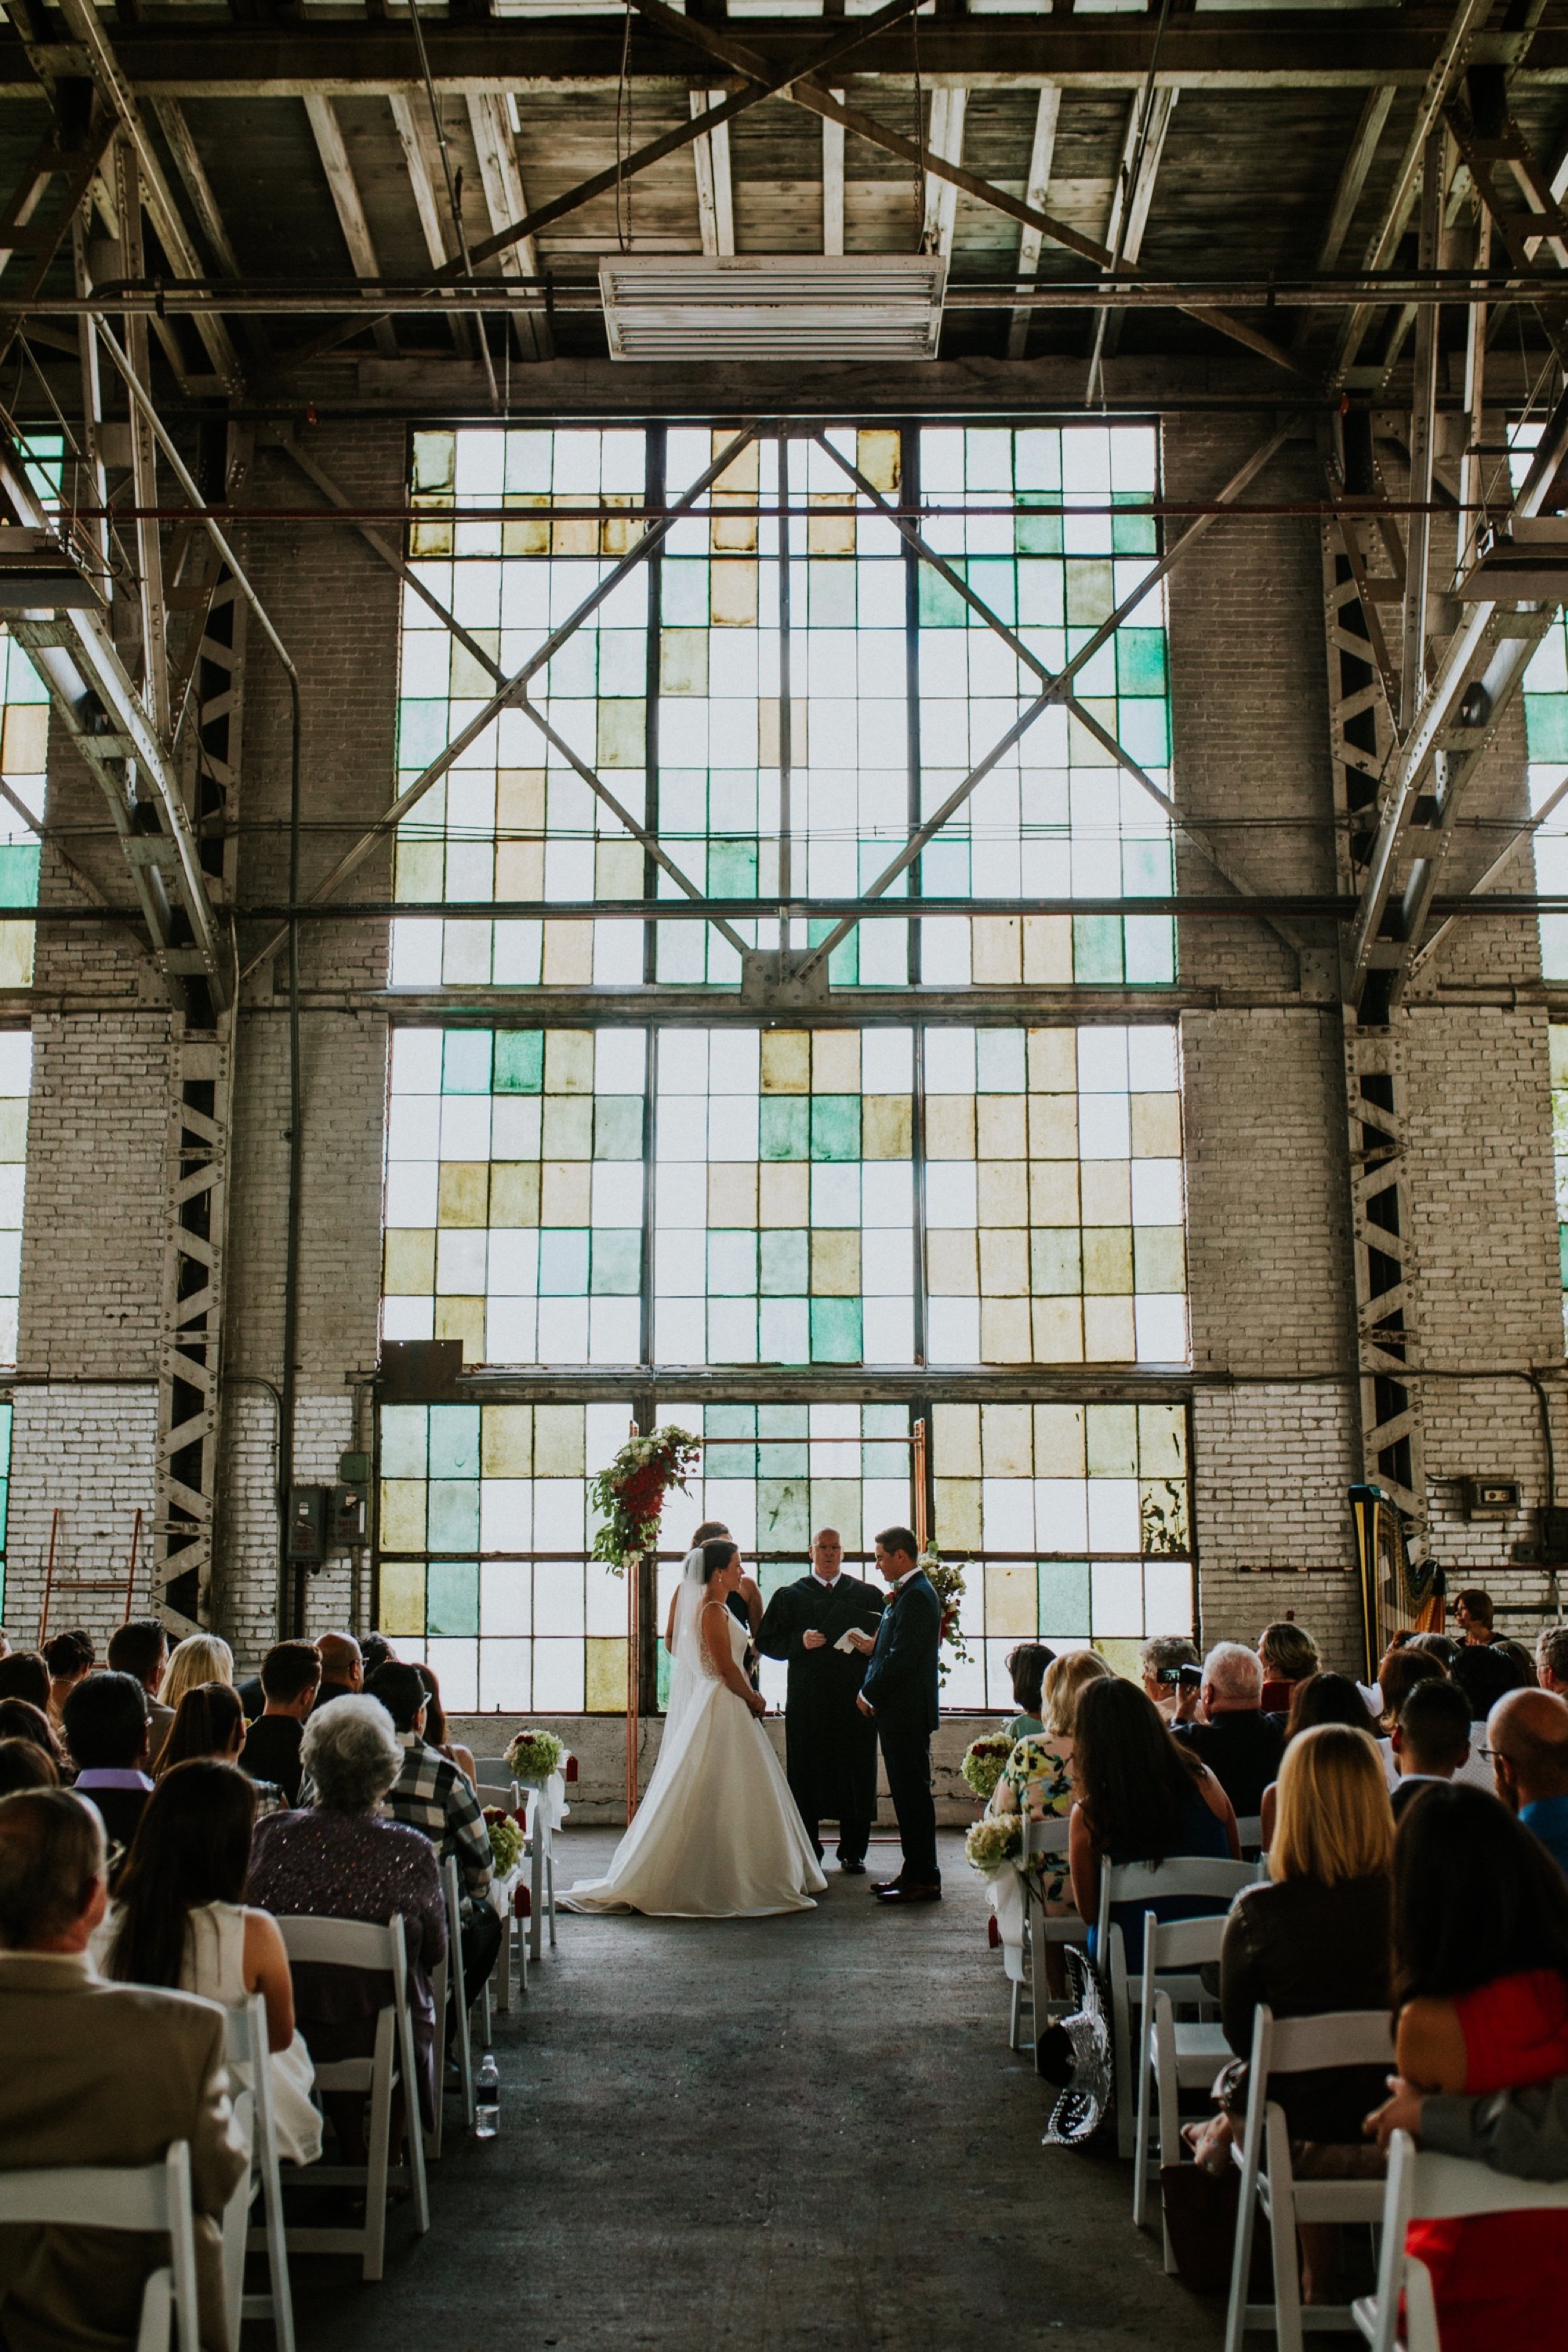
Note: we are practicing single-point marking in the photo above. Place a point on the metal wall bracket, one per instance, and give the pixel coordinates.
(772, 980)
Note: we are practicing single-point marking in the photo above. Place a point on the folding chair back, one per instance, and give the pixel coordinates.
(453, 1891)
(1296, 2045)
(1431, 2188)
(250, 2078)
(1173, 2055)
(1191, 1877)
(143, 2197)
(369, 1945)
(1020, 1962)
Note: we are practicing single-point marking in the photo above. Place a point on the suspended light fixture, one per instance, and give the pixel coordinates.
(727, 308)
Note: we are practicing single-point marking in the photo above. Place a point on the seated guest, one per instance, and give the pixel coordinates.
(19, 1720)
(1289, 1655)
(68, 1657)
(1143, 1796)
(344, 1860)
(1551, 1660)
(433, 1795)
(1315, 1939)
(23, 1765)
(106, 1733)
(1027, 1667)
(375, 1650)
(92, 2074)
(1159, 1661)
(1484, 1668)
(1037, 1781)
(1241, 1746)
(1431, 1740)
(179, 1919)
(1441, 1646)
(1321, 1698)
(1527, 1733)
(1402, 1668)
(437, 1730)
(1481, 1978)
(140, 1648)
(199, 1658)
(22, 1675)
(290, 1674)
(210, 1723)
(343, 1668)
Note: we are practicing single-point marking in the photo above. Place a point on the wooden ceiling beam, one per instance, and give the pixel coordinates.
(327, 132)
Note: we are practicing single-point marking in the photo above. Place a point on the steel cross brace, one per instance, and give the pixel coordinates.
(1056, 690)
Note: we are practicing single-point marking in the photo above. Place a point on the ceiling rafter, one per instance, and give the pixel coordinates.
(343, 189)
(1037, 186)
(505, 201)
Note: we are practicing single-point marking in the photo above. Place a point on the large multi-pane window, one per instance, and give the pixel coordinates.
(895, 1203)
(1560, 1150)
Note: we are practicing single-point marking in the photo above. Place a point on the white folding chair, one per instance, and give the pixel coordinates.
(1433, 2188)
(1249, 1830)
(1194, 1878)
(366, 1944)
(540, 1836)
(1174, 2054)
(450, 1987)
(1022, 1964)
(1295, 2045)
(497, 1785)
(143, 2197)
(250, 2082)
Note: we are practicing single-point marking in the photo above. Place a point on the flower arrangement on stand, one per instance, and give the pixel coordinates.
(993, 1843)
(507, 1840)
(984, 1761)
(629, 1496)
(946, 1579)
(535, 1755)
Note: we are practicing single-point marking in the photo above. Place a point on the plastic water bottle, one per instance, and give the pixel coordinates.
(487, 2098)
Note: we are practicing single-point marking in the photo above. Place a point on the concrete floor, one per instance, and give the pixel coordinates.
(793, 2132)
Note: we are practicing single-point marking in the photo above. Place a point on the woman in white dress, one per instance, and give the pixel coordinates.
(717, 1835)
(177, 1920)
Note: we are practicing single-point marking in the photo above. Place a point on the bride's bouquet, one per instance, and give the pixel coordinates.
(993, 1843)
(629, 1496)
(535, 1755)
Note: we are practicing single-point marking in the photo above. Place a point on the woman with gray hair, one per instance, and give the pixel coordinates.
(342, 1860)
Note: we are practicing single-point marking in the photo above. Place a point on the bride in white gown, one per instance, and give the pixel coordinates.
(717, 1835)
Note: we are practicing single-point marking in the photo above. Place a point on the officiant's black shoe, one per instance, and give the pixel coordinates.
(902, 1892)
(852, 1869)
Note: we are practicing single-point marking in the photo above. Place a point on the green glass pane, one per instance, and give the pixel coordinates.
(617, 1264)
(1064, 1598)
(519, 1062)
(1055, 1270)
(785, 1269)
(844, 960)
(466, 1062)
(18, 874)
(453, 1520)
(1141, 727)
(835, 1126)
(1133, 534)
(723, 1461)
(1146, 868)
(885, 1421)
(1140, 661)
(942, 607)
(617, 1126)
(783, 1460)
(454, 1441)
(782, 1128)
(1036, 534)
(773, 1578)
(783, 1420)
(4, 1431)
(732, 869)
(783, 1514)
(1096, 948)
(1546, 725)
(4, 1507)
(731, 1421)
(452, 1597)
(836, 1331)
(404, 1430)
(421, 733)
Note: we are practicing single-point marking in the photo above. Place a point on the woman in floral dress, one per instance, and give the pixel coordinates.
(1037, 1782)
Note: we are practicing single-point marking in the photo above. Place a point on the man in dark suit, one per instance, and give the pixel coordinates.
(830, 1746)
(900, 1691)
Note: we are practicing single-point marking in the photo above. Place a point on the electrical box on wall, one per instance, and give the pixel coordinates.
(1491, 1498)
(307, 1523)
(346, 1530)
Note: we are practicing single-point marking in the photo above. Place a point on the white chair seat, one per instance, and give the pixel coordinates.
(145, 2197)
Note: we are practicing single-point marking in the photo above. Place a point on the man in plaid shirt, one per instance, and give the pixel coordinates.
(433, 1795)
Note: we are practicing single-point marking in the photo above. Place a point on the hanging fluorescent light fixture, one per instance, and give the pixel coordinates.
(810, 306)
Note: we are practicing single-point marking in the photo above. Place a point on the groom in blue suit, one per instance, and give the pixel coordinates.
(901, 1690)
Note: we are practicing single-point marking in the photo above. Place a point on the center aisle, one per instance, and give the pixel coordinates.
(796, 2132)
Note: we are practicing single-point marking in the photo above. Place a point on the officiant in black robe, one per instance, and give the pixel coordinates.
(830, 1746)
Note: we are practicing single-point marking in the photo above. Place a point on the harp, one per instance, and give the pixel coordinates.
(1395, 1596)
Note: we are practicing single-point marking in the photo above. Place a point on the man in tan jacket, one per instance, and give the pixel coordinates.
(95, 2073)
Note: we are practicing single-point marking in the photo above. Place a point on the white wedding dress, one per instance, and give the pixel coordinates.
(717, 1835)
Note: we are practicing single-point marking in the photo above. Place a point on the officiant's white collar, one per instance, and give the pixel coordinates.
(828, 1582)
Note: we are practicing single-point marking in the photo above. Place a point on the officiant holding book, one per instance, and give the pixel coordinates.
(830, 1746)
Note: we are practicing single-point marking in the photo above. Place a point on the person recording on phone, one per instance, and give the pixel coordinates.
(1160, 1661)
(1223, 1723)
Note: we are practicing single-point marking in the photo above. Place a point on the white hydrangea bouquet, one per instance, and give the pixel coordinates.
(992, 1844)
(535, 1755)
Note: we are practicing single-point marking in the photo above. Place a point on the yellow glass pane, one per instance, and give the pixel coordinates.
(1048, 950)
(1012, 1598)
(1163, 1515)
(506, 1441)
(1053, 1060)
(402, 1607)
(770, 753)
(999, 1127)
(1006, 1335)
(558, 1441)
(464, 1319)
(569, 1062)
(885, 1126)
(996, 950)
(1052, 1127)
(529, 538)
(471, 681)
(1159, 1259)
(1053, 1193)
(950, 1127)
(683, 661)
(878, 453)
(421, 871)
(519, 800)
(743, 476)
(514, 1192)
(619, 869)
(1113, 1441)
(1004, 1262)
(1108, 1332)
(564, 1191)
(605, 1683)
(1107, 1259)
(732, 595)
(783, 1189)
(1105, 1188)
(1162, 1441)
(1059, 1440)
(573, 538)
(733, 1193)
(1156, 1126)
(958, 1513)
(1122, 1655)
(568, 958)
(952, 1269)
(616, 533)
(830, 525)
(402, 1514)
(1058, 1325)
(463, 1194)
(1003, 1187)
(410, 1262)
(18, 944)
(622, 734)
(520, 869)
(1006, 1441)
(786, 1062)
(956, 1440)
(836, 1062)
(836, 1264)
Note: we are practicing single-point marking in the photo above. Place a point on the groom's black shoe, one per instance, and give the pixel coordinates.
(852, 1869)
(902, 1891)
